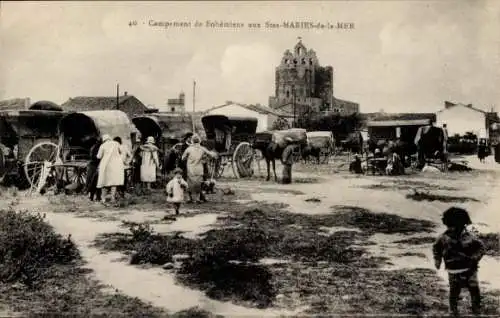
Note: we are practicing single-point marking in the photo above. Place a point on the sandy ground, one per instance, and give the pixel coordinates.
(158, 286)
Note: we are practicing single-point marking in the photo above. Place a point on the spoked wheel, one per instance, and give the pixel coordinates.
(77, 180)
(217, 167)
(42, 155)
(243, 158)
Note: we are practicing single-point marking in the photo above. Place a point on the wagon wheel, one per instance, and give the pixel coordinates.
(243, 158)
(80, 179)
(216, 167)
(35, 159)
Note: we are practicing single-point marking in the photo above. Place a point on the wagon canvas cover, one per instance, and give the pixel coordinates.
(320, 139)
(298, 136)
(114, 123)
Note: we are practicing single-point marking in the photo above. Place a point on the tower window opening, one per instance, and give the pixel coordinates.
(287, 93)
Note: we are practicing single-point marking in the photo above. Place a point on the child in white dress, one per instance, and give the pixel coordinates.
(175, 190)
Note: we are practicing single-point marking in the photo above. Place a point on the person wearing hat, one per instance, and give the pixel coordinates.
(111, 168)
(194, 158)
(175, 190)
(287, 161)
(149, 162)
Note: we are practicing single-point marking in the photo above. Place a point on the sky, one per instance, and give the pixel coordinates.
(405, 56)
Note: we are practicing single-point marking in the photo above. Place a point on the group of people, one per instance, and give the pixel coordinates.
(112, 165)
(386, 157)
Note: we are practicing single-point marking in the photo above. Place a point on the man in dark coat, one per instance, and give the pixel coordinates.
(92, 173)
(287, 161)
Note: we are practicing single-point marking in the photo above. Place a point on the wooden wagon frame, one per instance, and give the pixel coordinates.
(70, 155)
(23, 134)
(232, 138)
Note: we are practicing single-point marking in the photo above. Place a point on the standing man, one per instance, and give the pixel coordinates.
(287, 161)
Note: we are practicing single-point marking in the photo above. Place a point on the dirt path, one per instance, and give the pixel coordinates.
(153, 285)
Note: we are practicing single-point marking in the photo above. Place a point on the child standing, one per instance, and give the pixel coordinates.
(175, 190)
(461, 251)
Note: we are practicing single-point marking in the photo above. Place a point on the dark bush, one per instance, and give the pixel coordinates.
(225, 266)
(29, 246)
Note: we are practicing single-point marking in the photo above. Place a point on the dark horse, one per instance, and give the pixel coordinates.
(270, 151)
(311, 151)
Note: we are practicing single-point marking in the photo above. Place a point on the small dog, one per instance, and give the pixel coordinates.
(208, 186)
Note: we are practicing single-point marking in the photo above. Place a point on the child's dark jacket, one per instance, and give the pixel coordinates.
(462, 251)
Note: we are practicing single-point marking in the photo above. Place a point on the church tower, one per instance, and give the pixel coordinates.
(301, 83)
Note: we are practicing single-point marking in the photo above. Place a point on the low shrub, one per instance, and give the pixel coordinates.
(29, 246)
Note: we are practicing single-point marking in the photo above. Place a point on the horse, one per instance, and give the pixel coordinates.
(311, 151)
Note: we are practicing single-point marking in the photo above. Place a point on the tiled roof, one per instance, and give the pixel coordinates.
(86, 103)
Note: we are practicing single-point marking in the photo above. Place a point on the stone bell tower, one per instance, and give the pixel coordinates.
(301, 83)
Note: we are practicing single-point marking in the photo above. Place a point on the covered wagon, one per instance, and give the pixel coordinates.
(168, 129)
(27, 137)
(320, 144)
(77, 134)
(232, 138)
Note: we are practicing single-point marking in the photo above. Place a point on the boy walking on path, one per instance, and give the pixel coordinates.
(461, 251)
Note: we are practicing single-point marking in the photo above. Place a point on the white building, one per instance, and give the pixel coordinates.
(460, 119)
(265, 115)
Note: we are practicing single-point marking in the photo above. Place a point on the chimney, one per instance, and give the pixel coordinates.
(27, 103)
(126, 93)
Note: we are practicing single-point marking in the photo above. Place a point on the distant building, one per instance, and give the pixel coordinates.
(460, 119)
(177, 105)
(15, 104)
(266, 116)
(304, 87)
(344, 107)
(129, 104)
